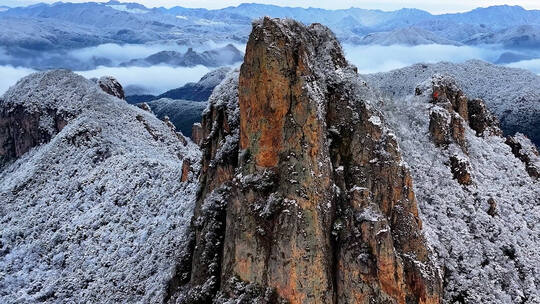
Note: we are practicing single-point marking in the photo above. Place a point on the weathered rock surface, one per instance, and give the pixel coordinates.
(111, 86)
(512, 95)
(20, 130)
(451, 112)
(525, 151)
(446, 125)
(197, 133)
(303, 191)
(481, 120)
(24, 124)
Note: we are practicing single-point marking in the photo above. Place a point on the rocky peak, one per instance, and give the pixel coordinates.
(525, 151)
(453, 111)
(304, 197)
(111, 86)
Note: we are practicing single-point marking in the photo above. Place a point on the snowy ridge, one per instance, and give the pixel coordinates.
(486, 258)
(98, 214)
(61, 90)
(513, 95)
(406, 36)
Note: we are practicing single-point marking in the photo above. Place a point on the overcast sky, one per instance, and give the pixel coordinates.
(434, 6)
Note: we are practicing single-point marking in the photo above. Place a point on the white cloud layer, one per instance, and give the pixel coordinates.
(368, 59)
(10, 75)
(122, 53)
(157, 79)
(372, 59)
(531, 65)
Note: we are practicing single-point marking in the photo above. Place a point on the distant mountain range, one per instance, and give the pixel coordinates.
(72, 25)
(199, 91)
(226, 55)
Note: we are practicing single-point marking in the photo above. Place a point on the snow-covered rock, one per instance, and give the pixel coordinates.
(479, 205)
(111, 86)
(513, 95)
(98, 214)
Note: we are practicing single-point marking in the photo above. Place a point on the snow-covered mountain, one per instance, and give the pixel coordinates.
(511, 94)
(480, 229)
(312, 183)
(297, 131)
(133, 23)
(97, 210)
(405, 36)
(111, 23)
(523, 36)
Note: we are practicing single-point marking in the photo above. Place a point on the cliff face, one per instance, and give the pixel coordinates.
(304, 197)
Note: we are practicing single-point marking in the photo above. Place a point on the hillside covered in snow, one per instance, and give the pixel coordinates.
(481, 219)
(511, 94)
(98, 213)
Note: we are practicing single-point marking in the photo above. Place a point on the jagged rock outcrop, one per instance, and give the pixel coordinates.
(453, 110)
(525, 151)
(20, 130)
(478, 203)
(460, 170)
(197, 133)
(303, 194)
(450, 113)
(512, 95)
(481, 120)
(219, 144)
(111, 86)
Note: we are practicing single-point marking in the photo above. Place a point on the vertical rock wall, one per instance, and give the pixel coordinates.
(312, 204)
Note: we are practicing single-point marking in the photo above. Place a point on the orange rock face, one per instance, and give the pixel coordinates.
(317, 206)
(186, 167)
(283, 137)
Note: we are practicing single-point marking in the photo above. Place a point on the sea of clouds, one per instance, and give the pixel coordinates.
(158, 79)
(376, 58)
